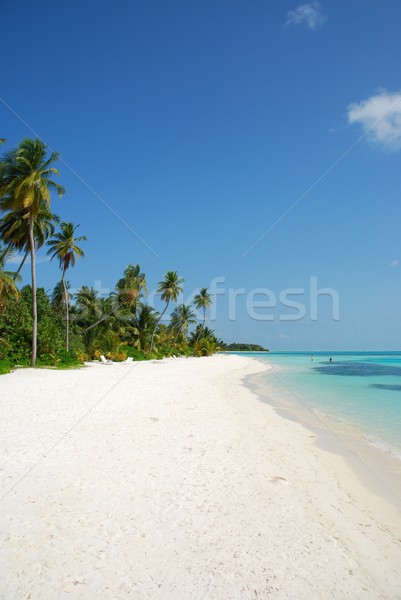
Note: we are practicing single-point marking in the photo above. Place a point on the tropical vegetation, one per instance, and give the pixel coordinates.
(62, 328)
(240, 347)
(25, 185)
(63, 246)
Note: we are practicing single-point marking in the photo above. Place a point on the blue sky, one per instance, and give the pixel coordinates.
(196, 126)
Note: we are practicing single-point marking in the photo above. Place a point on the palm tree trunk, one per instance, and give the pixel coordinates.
(104, 318)
(176, 337)
(67, 315)
(156, 326)
(94, 324)
(203, 325)
(23, 262)
(34, 307)
(9, 247)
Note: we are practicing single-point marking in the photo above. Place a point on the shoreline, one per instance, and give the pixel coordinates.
(384, 445)
(376, 469)
(174, 480)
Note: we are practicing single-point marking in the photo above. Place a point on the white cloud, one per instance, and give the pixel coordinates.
(380, 118)
(308, 14)
(394, 263)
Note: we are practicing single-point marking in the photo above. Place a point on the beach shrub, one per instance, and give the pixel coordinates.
(205, 347)
(61, 360)
(107, 343)
(5, 367)
(134, 353)
(4, 345)
(16, 326)
(154, 355)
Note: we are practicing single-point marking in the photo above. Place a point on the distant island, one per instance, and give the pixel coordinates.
(236, 347)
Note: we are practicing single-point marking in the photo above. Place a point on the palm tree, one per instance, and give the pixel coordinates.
(129, 290)
(7, 280)
(201, 333)
(143, 324)
(58, 300)
(89, 307)
(108, 342)
(14, 230)
(63, 246)
(182, 317)
(130, 287)
(88, 303)
(25, 183)
(169, 288)
(203, 301)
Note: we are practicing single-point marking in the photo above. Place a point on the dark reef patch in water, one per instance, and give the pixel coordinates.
(357, 369)
(384, 386)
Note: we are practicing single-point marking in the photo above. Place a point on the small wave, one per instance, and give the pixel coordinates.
(394, 452)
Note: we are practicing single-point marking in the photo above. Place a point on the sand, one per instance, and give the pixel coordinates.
(173, 480)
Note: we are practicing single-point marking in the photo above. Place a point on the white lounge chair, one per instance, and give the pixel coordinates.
(105, 361)
(129, 360)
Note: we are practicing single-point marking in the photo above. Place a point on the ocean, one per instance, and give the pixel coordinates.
(362, 389)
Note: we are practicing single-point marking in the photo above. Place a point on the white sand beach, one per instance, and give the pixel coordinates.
(172, 480)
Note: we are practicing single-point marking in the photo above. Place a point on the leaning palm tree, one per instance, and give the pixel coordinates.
(8, 288)
(25, 183)
(89, 310)
(125, 299)
(14, 230)
(203, 301)
(169, 288)
(63, 246)
(182, 317)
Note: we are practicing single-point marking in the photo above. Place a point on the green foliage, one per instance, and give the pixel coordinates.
(5, 367)
(8, 289)
(107, 343)
(123, 333)
(183, 316)
(61, 360)
(16, 328)
(131, 287)
(143, 324)
(134, 353)
(205, 347)
(169, 289)
(137, 354)
(74, 328)
(238, 347)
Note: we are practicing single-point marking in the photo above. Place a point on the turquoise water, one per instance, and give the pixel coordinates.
(363, 389)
